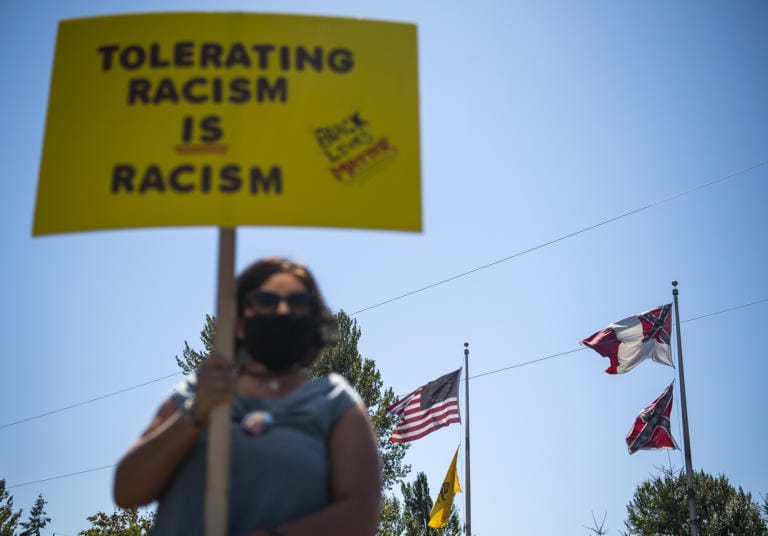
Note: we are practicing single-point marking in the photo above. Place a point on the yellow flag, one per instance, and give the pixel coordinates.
(438, 517)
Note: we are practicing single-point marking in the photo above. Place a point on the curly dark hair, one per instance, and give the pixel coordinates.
(253, 277)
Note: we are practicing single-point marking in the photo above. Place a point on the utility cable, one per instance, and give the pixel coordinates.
(756, 302)
(84, 402)
(584, 347)
(63, 476)
(539, 360)
(564, 237)
(468, 272)
(725, 310)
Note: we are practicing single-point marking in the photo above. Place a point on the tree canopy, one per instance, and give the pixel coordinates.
(417, 505)
(37, 518)
(345, 359)
(191, 358)
(8, 518)
(659, 507)
(122, 522)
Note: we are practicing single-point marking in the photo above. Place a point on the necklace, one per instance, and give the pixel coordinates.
(274, 380)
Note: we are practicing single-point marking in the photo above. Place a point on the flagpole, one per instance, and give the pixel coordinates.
(467, 501)
(686, 437)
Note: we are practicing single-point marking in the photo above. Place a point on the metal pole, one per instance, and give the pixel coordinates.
(686, 437)
(467, 500)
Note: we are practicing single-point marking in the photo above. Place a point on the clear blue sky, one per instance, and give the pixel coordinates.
(538, 119)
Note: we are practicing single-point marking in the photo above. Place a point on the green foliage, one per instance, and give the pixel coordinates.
(8, 518)
(345, 359)
(37, 520)
(417, 504)
(660, 507)
(122, 522)
(764, 508)
(391, 522)
(191, 359)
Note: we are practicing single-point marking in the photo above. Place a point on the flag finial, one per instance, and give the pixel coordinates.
(466, 348)
(674, 290)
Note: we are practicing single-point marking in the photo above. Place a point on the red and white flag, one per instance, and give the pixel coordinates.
(428, 408)
(628, 342)
(651, 429)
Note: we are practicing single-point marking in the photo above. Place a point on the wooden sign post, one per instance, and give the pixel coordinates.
(217, 470)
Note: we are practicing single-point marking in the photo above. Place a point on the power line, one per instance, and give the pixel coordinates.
(564, 237)
(453, 278)
(539, 360)
(518, 365)
(463, 274)
(84, 402)
(725, 310)
(63, 476)
(561, 354)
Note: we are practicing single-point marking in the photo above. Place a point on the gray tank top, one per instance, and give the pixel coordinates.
(278, 465)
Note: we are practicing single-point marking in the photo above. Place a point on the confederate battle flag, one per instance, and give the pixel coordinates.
(651, 428)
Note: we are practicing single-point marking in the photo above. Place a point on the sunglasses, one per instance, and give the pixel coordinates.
(298, 302)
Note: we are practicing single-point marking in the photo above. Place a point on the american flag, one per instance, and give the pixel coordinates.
(427, 409)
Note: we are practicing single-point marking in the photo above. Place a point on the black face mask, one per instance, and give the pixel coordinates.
(280, 341)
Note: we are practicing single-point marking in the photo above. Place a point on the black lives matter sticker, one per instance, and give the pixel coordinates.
(352, 147)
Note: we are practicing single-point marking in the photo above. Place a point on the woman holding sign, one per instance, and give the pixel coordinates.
(303, 453)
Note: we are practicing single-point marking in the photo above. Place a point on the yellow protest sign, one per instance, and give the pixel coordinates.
(231, 119)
